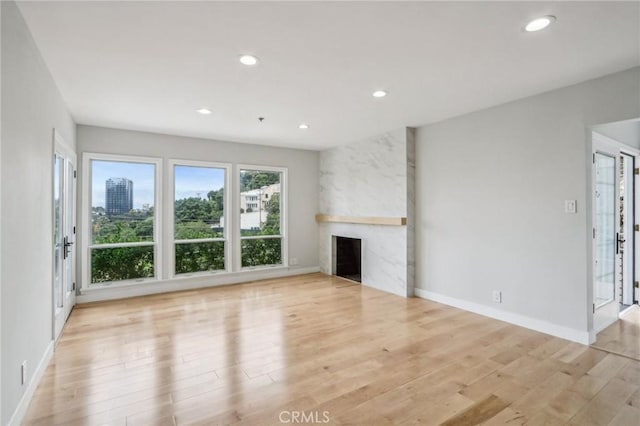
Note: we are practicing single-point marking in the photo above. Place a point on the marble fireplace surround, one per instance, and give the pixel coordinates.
(367, 191)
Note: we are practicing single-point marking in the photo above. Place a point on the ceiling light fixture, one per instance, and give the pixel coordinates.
(379, 94)
(540, 23)
(248, 60)
(303, 126)
(203, 111)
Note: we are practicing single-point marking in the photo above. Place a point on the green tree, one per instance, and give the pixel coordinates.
(192, 209)
(195, 219)
(195, 230)
(216, 198)
(267, 251)
(250, 179)
(272, 224)
(197, 257)
(121, 263)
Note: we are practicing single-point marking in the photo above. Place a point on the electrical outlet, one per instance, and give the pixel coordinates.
(497, 296)
(23, 372)
(293, 261)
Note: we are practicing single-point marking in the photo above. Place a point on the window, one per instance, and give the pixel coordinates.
(123, 220)
(262, 216)
(141, 226)
(199, 217)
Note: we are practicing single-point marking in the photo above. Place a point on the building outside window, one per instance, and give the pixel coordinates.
(125, 235)
(119, 196)
(122, 216)
(261, 217)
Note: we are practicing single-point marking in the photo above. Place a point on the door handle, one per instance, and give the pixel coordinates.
(67, 247)
(619, 242)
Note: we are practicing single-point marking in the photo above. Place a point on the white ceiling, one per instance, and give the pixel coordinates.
(149, 65)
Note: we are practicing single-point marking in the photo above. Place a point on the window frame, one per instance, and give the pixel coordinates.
(228, 218)
(284, 218)
(87, 244)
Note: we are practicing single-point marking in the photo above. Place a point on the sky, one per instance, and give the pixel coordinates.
(190, 181)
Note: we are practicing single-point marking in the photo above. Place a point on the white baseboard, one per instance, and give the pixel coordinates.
(23, 405)
(190, 283)
(578, 336)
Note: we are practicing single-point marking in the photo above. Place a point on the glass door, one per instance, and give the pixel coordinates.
(58, 232)
(64, 231)
(606, 237)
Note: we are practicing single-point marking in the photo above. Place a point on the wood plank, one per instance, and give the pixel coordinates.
(363, 220)
(242, 354)
(478, 412)
(623, 336)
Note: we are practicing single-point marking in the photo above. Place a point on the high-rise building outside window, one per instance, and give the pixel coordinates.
(119, 196)
(122, 237)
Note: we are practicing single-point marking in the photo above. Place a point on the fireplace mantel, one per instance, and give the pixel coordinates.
(364, 220)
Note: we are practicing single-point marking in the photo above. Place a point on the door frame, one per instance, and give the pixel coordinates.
(599, 140)
(69, 219)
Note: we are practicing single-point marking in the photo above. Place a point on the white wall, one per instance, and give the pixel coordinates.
(627, 132)
(302, 174)
(491, 187)
(31, 108)
(372, 178)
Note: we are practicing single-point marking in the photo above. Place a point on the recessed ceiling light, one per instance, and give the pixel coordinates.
(303, 126)
(248, 60)
(204, 111)
(540, 23)
(379, 94)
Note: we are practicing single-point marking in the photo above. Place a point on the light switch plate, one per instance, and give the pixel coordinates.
(570, 206)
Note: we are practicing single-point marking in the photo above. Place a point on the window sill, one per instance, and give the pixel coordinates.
(119, 284)
(180, 277)
(178, 283)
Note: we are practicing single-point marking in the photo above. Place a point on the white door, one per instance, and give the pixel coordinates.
(627, 207)
(635, 234)
(606, 219)
(64, 234)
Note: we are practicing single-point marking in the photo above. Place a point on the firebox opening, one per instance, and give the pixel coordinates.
(348, 258)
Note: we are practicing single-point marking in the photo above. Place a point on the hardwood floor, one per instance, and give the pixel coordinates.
(623, 336)
(315, 348)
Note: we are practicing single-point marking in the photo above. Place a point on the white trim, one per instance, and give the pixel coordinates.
(261, 237)
(68, 186)
(120, 283)
(628, 310)
(601, 316)
(85, 222)
(542, 326)
(599, 138)
(226, 213)
(61, 146)
(614, 144)
(190, 283)
(23, 405)
(198, 240)
(118, 245)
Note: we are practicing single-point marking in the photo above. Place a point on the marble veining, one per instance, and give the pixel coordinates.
(375, 177)
(366, 178)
